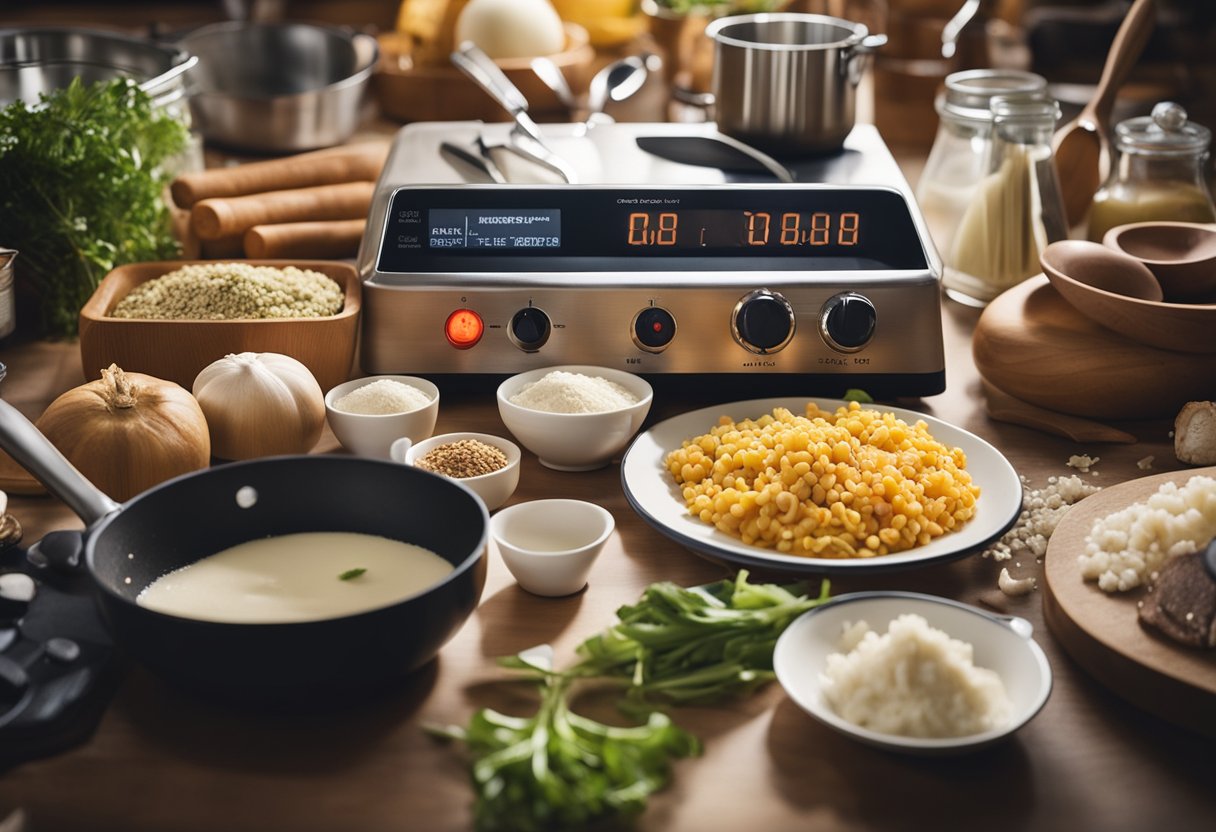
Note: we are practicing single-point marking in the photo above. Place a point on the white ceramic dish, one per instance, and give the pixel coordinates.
(372, 435)
(549, 545)
(574, 441)
(1001, 643)
(494, 488)
(654, 495)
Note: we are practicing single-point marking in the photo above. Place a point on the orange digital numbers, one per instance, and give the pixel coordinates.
(757, 227)
(849, 224)
(638, 224)
(667, 229)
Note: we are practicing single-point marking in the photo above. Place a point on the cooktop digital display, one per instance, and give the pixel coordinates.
(515, 229)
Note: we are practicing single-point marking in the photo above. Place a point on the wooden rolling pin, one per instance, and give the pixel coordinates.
(325, 240)
(215, 218)
(352, 163)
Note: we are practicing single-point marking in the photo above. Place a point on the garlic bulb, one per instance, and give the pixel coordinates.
(260, 404)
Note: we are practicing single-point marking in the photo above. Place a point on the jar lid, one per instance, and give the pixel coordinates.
(968, 94)
(1165, 132)
(1025, 108)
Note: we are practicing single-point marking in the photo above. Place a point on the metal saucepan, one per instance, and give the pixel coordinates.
(125, 547)
(38, 60)
(786, 83)
(279, 87)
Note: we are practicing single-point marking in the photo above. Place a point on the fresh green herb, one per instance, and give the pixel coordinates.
(853, 394)
(81, 190)
(351, 574)
(696, 645)
(559, 770)
(562, 771)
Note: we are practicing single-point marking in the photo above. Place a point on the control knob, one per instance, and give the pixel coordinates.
(847, 321)
(530, 329)
(762, 322)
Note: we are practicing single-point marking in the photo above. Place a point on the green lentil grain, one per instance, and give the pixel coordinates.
(228, 291)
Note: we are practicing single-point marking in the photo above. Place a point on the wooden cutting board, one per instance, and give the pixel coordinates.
(1102, 631)
(1033, 345)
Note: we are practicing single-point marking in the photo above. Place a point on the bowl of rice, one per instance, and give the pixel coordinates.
(368, 414)
(913, 673)
(574, 417)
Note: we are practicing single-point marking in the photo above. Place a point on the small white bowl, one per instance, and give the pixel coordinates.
(372, 435)
(1001, 643)
(494, 488)
(574, 441)
(549, 545)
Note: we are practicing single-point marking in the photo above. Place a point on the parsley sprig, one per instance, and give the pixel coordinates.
(81, 190)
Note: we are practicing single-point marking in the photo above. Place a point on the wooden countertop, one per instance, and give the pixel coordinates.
(162, 760)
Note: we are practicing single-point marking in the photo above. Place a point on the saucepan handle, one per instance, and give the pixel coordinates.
(859, 57)
(35, 453)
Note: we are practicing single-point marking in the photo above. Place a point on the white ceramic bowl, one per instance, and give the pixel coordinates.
(574, 441)
(373, 435)
(549, 545)
(494, 488)
(1001, 643)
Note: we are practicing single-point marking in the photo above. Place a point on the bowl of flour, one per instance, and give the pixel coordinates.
(574, 417)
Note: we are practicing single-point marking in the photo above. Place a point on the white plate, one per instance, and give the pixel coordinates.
(654, 495)
(1001, 643)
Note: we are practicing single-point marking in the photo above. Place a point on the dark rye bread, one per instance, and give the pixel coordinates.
(1181, 603)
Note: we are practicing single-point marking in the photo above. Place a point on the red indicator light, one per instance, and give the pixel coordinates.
(657, 326)
(463, 328)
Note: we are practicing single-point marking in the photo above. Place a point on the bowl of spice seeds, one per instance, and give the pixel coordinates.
(577, 417)
(489, 465)
(172, 319)
(369, 414)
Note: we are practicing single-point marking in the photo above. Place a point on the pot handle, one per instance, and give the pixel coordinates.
(35, 453)
(858, 57)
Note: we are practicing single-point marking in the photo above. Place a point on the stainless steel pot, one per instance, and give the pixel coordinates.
(35, 61)
(786, 83)
(279, 87)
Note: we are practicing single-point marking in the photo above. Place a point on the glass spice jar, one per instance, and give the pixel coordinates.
(1158, 174)
(962, 152)
(1015, 211)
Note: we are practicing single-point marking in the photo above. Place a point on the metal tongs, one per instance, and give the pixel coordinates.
(525, 139)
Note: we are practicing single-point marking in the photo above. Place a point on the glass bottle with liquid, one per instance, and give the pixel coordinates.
(1158, 174)
(962, 151)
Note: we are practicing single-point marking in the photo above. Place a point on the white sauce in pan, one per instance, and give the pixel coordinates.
(296, 577)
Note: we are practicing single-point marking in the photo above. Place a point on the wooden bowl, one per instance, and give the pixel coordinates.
(177, 350)
(1182, 255)
(1171, 326)
(413, 91)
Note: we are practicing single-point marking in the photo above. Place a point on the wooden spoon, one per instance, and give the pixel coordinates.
(1082, 147)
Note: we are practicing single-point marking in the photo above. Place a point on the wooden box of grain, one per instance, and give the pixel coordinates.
(177, 350)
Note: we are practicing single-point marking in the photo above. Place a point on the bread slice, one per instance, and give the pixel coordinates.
(1195, 433)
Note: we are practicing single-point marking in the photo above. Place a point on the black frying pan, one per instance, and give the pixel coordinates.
(125, 547)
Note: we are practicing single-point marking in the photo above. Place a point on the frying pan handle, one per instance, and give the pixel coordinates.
(35, 453)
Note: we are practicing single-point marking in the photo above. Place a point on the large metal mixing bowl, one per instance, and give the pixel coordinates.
(278, 87)
(38, 60)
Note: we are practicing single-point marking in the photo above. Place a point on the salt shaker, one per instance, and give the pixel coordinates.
(1158, 175)
(1017, 208)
